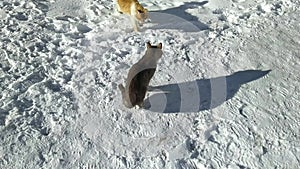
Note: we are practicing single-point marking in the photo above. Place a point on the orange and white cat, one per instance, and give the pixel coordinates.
(138, 14)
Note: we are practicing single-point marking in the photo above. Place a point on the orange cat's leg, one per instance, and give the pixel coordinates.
(119, 8)
(132, 17)
(134, 23)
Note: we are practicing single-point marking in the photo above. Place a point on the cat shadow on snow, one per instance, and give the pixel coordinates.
(198, 95)
(178, 18)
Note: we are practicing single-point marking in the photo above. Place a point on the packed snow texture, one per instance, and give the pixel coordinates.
(225, 93)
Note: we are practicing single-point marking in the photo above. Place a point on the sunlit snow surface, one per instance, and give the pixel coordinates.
(225, 93)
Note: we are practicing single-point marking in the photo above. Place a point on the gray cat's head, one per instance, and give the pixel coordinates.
(154, 52)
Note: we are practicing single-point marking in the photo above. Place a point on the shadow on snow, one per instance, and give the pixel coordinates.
(201, 94)
(178, 18)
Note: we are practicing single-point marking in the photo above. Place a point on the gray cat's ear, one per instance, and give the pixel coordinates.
(159, 46)
(148, 45)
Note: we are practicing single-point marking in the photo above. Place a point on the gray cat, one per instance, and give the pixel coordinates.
(139, 76)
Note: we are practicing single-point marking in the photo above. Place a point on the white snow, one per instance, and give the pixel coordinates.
(225, 93)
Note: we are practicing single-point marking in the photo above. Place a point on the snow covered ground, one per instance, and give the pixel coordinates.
(225, 94)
